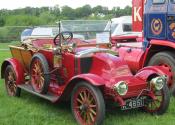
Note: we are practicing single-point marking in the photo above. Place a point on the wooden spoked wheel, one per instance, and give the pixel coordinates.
(10, 82)
(160, 104)
(39, 70)
(88, 104)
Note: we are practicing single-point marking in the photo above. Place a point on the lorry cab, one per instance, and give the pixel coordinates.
(120, 26)
(159, 19)
(156, 19)
(121, 30)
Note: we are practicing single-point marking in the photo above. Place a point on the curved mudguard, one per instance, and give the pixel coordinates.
(91, 78)
(18, 68)
(150, 70)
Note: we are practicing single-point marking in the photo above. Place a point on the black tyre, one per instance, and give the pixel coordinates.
(160, 105)
(10, 82)
(87, 104)
(39, 73)
(166, 59)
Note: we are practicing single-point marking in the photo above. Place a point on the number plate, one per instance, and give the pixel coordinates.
(133, 103)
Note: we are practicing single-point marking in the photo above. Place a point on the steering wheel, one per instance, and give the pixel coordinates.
(65, 36)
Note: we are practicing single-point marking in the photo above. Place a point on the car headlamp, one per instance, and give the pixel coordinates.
(158, 82)
(121, 88)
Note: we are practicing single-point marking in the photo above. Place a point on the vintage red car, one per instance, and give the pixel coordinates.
(58, 69)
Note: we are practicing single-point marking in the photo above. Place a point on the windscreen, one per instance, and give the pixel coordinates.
(111, 27)
(87, 29)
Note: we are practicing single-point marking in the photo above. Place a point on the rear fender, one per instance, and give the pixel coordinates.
(18, 68)
(146, 72)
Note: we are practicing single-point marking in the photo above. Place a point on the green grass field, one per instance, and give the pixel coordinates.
(32, 110)
(5, 45)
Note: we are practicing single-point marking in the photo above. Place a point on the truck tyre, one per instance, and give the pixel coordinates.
(87, 104)
(166, 59)
(39, 73)
(10, 82)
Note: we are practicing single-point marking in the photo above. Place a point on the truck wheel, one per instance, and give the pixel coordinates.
(160, 105)
(87, 104)
(166, 59)
(39, 76)
(10, 82)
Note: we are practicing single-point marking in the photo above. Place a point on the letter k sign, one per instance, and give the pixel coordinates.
(137, 14)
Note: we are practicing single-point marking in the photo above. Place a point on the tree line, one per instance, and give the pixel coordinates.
(49, 15)
(31, 16)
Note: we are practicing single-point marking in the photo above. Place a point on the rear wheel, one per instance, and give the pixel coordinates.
(10, 82)
(39, 70)
(161, 102)
(87, 104)
(166, 59)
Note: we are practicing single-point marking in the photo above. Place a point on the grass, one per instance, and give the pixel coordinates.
(5, 45)
(32, 110)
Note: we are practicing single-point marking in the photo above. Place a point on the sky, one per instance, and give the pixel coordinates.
(14, 4)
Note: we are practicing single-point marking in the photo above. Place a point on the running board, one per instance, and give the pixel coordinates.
(48, 96)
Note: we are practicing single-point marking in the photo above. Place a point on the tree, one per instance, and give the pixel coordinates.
(47, 17)
(83, 11)
(56, 10)
(2, 21)
(127, 10)
(100, 10)
(68, 12)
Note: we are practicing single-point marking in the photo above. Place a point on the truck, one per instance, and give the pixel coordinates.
(156, 19)
(121, 30)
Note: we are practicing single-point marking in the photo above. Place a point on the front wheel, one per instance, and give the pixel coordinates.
(87, 104)
(159, 105)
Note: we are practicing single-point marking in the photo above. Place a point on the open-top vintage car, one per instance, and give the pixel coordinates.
(59, 69)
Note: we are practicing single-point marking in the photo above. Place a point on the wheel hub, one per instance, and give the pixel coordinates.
(10, 83)
(84, 107)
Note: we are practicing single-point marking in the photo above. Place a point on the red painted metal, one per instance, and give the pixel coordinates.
(151, 70)
(133, 56)
(18, 68)
(137, 15)
(128, 38)
(164, 43)
(90, 78)
(105, 70)
(136, 57)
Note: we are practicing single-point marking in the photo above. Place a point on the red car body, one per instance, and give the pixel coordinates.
(77, 70)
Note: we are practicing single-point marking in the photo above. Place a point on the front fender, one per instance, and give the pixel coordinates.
(146, 72)
(18, 68)
(91, 78)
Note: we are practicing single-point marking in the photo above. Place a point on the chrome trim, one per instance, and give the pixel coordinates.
(86, 52)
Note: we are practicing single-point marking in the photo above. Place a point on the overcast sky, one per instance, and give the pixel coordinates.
(13, 4)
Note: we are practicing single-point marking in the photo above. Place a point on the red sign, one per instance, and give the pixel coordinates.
(137, 15)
